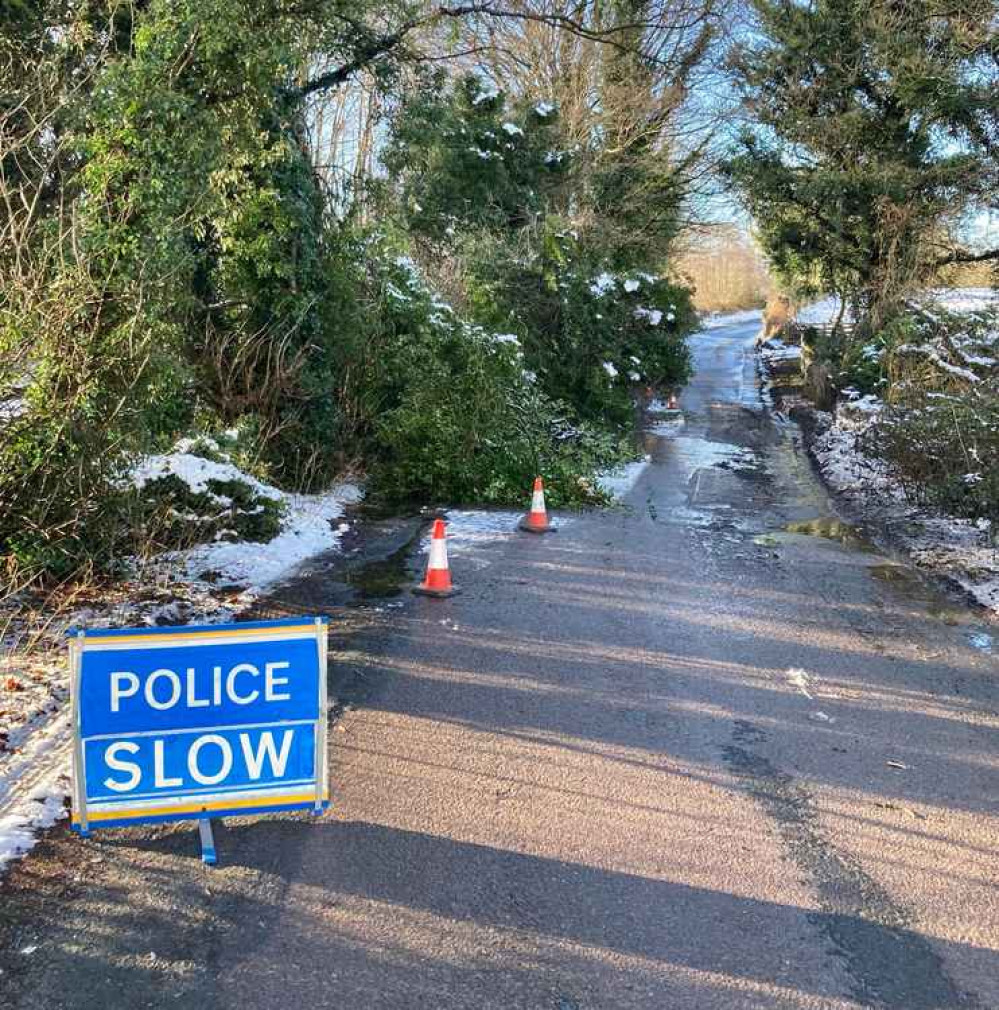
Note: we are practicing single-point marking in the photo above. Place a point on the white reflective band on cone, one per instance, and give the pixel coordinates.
(438, 554)
(538, 501)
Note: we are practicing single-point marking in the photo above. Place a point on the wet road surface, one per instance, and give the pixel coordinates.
(682, 754)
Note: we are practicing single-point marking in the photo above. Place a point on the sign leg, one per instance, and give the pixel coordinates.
(208, 856)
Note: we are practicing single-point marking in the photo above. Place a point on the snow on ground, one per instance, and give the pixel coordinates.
(780, 357)
(956, 549)
(856, 412)
(194, 470)
(210, 584)
(34, 783)
(826, 310)
(468, 529)
(307, 527)
(963, 299)
(819, 313)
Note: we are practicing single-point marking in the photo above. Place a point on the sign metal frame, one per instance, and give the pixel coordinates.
(88, 813)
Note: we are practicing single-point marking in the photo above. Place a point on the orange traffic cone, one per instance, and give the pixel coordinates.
(438, 579)
(672, 404)
(536, 521)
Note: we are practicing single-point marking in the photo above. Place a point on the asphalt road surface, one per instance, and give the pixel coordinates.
(674, 756)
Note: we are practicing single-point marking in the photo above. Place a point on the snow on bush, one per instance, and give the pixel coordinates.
(306, 526)
(922, 451)
(603, 285)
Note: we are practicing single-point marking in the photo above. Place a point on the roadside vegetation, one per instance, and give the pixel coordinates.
(452, 246)
(329, 236)
(869, 164)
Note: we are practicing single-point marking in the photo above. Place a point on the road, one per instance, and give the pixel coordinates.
(674, 756)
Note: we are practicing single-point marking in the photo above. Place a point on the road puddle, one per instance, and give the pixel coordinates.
(896, 575)
(913, 587)
(382, 578)
(831, 528)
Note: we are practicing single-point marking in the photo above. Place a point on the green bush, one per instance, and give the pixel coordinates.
(487, 186)
(175, 516)
(590, 335)
(453, 415)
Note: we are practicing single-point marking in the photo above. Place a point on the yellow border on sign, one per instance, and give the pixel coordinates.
(196, 808)
(226, 633)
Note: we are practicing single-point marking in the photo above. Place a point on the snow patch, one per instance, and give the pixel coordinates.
(307, 530)
(778, 356)
(822, 312)
(961, 300)
(34, 784)
(306, 527)
(962, 551)
(194, 471)
(652, 316)
(468, 529)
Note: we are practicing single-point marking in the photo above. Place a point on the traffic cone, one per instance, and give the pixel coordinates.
(536, 521)
(438, 579)
(672, 405)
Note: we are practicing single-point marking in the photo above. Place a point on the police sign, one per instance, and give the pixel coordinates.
(198, 722)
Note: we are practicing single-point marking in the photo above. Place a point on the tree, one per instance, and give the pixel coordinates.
(481, 184)
(172, 256)
(624, 75)
(873, 129)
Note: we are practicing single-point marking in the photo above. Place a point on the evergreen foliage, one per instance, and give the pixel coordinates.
(489, 179)
(172, 263)
(874, 127)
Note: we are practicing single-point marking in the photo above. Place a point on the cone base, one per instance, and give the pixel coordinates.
(528, 528)
(436, 594)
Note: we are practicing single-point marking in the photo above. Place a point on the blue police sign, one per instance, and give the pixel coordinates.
(196, 722)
